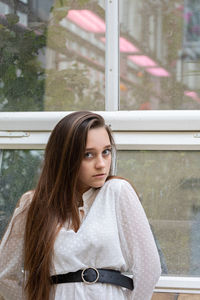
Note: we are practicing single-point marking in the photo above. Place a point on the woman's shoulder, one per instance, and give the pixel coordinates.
(121, 187)
(18, 219)
(24, 201)
(117, 183)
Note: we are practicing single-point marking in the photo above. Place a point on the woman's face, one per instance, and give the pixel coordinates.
(95, 166)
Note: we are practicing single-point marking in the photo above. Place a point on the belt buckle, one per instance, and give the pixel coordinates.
(90, 282)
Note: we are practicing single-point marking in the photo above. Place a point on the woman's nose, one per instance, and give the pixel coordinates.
(100, 163)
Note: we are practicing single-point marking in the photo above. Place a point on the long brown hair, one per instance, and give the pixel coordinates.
(54, 200)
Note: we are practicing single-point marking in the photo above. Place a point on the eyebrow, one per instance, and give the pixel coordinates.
(90, 149)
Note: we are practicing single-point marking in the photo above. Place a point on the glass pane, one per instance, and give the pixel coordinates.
(52, 55)
(160, 54)
(19, 170)
(168, 184)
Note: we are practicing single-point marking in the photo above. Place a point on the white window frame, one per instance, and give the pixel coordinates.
(112, 56)
(133, 130)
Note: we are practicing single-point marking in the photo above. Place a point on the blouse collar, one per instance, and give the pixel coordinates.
(87, 194)
(88, 198)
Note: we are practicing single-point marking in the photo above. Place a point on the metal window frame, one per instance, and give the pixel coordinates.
(175, 284)
(112, 56)
(133, 130)
(154, 120)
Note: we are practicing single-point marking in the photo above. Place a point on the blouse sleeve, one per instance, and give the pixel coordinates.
(138, 245)
(11, 253)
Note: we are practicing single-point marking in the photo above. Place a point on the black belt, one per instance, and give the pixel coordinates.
(93, 275)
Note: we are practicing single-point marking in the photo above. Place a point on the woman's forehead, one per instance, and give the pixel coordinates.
(97, 137)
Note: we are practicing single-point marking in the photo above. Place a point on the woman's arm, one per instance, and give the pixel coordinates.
(137, 243)
(11, 253)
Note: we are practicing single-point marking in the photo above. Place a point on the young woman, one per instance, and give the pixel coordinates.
(80, 228)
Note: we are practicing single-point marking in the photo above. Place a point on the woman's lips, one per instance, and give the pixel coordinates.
(99, 175)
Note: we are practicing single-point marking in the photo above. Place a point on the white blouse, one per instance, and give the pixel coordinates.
(114, 234)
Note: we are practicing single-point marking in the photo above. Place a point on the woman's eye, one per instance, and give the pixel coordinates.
(107, 151)
(88, 155)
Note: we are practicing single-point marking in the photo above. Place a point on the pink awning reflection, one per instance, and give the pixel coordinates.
(124, 45)
(192, 95)
(87, 20)
(159, 72)
(142, 61)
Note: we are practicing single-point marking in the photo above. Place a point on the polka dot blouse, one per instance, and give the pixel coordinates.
(114, 234)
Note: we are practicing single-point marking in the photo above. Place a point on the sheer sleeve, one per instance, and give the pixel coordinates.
(137, 243)
(11, 253)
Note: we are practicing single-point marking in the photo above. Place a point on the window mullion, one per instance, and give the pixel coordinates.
(112, 56)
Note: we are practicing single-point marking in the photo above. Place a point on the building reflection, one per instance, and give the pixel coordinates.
(158, 44)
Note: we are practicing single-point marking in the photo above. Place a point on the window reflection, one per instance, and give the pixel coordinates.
(168, 184)
(195, 241)
(77, 63)
(19, 171)
(163, 71)
(52, 55)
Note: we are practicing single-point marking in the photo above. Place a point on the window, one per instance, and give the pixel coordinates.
(53, 56)
(159, 55)
(59, 57)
